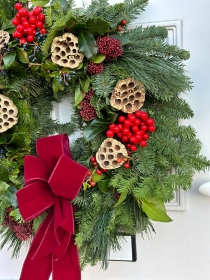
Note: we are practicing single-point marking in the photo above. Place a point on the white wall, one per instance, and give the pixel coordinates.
(180, 250)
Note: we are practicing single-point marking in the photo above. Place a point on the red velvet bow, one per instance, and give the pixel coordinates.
(52, 180)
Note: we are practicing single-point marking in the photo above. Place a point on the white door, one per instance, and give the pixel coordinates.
(180, 250)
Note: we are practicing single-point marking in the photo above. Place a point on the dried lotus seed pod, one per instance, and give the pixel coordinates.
(4, 38)
(8, 113)
(108, 153)
(128, 96)
(65, 51)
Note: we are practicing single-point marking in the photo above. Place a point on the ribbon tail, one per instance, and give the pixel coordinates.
(38, 268)
(68, 266)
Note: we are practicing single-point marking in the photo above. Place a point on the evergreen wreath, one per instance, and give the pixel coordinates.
(125, 86)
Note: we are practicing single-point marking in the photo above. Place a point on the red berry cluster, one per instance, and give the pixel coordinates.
(94, 68)
(120, 26)
(23, 230)
(87, 111)
(110, 47)
(132, 130)
(28, 23)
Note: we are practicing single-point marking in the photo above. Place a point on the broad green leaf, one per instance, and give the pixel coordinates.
(97, 26)
(99, 58)
(123, 39)
(16, 66)
(72, 23)
(155, 210)
(87, 44)
(3, 139)
(4, 174)
(121, 199)
(22, 56)
(3, 187)
(78, 97)
(9, 59)
(41, 3)
(55, 85)
(53, 74)
(85, 186)
(50, 65)
(10, 196)
(85, 84)
(96, 178)
(16, 141)
(103, 185)
(94, 128)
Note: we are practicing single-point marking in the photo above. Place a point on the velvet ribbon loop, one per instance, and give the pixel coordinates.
(52, 179)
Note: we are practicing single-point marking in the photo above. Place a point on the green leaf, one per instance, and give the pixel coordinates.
(123, 39)
(97, 26)
(99, 58)
(3, 139)
(78, 97)
(22, 56)
(155, 210)
(10, 196)
(41, 3)
(3, 187)
(96, 178)
(121, 199)
(103, 185)
(87, 44)
(94, 128)
(55, 85)
(9, 59)
(50, 65)
(85, 84)
(63, 4)
(4, 174)
(16, 141)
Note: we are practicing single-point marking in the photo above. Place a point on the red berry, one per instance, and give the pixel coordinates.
(144, 115)
(127, 123)
(33, 20)
(93, 159)
(92, 183)
(119, 135)
(34, 32)
(39, 24)
(103, 170)
(133, 148)
(110, 133)
(138, 114)
(30, 38)
(133, 140)
(112, 126)
(124, 139)
(89, 173)
(128, 145)
(119, 28)
(23, 12)
(119, 160)
(121, 119)
(23, 41)
(143, 143)
(29, 31)
(123, 22)
(30, 14)
(144, 127)
(127, 165)
(26, 24)
(39, 8)
(41, 17)
(20, 28)
(137, 122)
(18, 16)
(151, 128)
(43, 31)
(18, 34)
(36, 12)
(138, 137)
(116, 129)
(120, 126)
(18, 6)
(134, 128)
(15, 21)
(99, 172)
(145, 136)
(150, 121)
(131, 117)
(95, 164)
(33, 26)
(126, 131)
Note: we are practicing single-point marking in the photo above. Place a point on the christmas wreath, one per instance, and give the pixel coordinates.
(125, 87)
